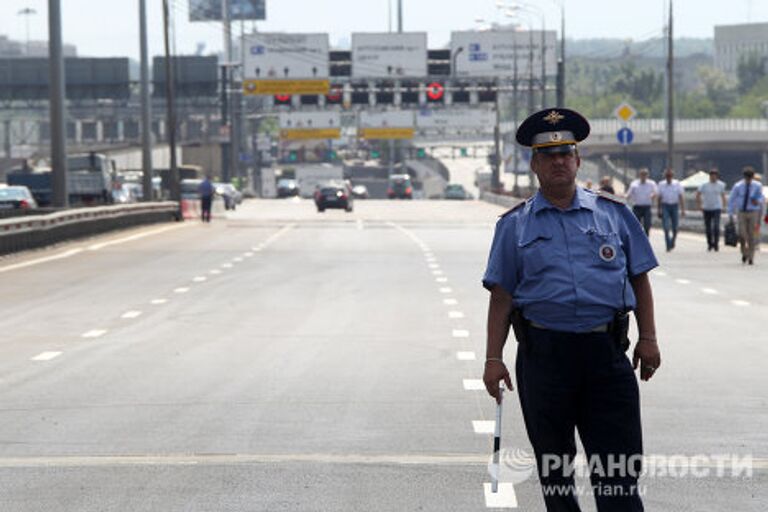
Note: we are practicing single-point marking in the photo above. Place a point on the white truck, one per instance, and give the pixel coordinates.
(311, 176)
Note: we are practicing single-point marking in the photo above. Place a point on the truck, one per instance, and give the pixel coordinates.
(90, 179)
(309, 177)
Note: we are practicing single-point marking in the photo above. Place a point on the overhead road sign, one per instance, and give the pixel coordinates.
(212, 10)
(493, 53)
(389, 55)
(274, 56)
(456, 118)
(625, 136)
(309, 125)
(625, 112)
(392, 125)
(310, 133)
(285, 87)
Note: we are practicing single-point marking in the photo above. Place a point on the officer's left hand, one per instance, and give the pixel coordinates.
(647, 354)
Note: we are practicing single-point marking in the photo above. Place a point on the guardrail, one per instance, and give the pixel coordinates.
(29, 232)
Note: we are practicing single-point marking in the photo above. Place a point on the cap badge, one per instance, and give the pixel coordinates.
(555, 137)
(554, 117)
(607, 253)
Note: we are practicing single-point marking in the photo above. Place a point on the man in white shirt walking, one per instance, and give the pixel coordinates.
(641, 194)
(747, 199)
(671, 206)
(710, 199)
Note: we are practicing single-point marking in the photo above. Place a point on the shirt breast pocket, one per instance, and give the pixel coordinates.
(607, 252)
(536, 253)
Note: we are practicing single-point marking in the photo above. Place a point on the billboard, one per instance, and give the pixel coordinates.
(391, 125)
(389, 55)
(456, 118)
(212, 10)
(496, 53)
(286, 56)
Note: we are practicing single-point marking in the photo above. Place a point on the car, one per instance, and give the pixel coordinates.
(360, 192)
(232, 197)
(333, 196)
(456, 191)
(287, 187)
(400, 187)
(16, 198)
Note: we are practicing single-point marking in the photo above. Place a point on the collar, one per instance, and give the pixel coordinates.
(581, 199)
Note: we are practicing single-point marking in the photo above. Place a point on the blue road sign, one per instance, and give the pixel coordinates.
(625, 136)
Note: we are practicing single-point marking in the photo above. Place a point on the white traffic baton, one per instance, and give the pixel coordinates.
(497, 442)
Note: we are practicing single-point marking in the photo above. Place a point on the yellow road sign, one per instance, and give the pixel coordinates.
(625, 112)
(271, 87)
(310, 133)
(386, 133)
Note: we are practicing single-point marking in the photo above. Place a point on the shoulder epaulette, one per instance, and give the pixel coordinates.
(514, 208)
(611, 197)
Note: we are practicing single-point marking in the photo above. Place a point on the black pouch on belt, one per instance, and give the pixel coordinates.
(620, 329)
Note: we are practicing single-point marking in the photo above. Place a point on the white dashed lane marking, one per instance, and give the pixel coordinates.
(483, 427)
(659, 273)
(455, 314)
(226, 265)
(200, 279)
(46, 356)
(441, 279)
(215, 271)
(740, 303)
(237, 260)
(157, 302)
(460, 333)
(95, 333)
(682, 281)
(450, 302)
(446, 290)
(131, 314)
(433, 265)
(183, 289)
(466, 356)
(473, 385)
(709, 291)
(437, 272)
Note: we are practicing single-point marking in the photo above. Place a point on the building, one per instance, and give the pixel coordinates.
(734, 42)
(11, 48)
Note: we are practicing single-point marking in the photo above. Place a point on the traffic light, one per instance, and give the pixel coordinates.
(360, 94)
(293, 156)
(421, 153)
(463, 151)
(409, 93)
(486, 92)
(435, 92)
(375, 154)
(332, 155)
(282, 99)
(385, 93)
(460, 93)
(335, 95)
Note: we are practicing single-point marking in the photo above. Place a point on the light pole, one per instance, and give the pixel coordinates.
(27, 12)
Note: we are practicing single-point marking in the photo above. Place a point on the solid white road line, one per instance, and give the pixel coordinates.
(46, 356)
(710, 291)
(95, 333)
(446, 290)
(183, 289)
(200, 279)
(157, 302)
(473, 385)
(138, 236)
(460, 333)
(455, 314)
(483, 427)
(740, 303)
(504, 497)
(38, 261)
(131, 314)
(466, 356)
(450, 302)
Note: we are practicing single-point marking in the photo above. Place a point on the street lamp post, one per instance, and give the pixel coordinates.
(27, 12)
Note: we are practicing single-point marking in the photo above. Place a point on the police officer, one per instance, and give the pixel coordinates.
(564, 268)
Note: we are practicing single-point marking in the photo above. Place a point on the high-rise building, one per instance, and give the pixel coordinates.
(735, 42)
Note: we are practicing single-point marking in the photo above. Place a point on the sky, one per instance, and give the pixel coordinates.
(109, 28)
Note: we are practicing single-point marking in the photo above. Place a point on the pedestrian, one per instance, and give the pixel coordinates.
(747, 200)
(606, 185)
(710, 198)
(641, 194)
(564, 269)
(671, 206)
(588, 185)
(207, 192)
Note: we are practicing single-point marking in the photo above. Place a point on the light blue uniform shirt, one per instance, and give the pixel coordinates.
(569, 269)
(736, 199)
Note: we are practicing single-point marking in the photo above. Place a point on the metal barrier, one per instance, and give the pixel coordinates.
(22, 233)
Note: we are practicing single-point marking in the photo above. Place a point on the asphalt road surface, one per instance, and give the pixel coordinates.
(286, 360)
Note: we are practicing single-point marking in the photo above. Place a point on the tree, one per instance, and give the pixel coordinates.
(750, 70)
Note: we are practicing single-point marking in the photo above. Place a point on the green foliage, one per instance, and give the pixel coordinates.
(753, 104)
(750, 70)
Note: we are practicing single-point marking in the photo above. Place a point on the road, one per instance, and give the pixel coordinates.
(285, 360)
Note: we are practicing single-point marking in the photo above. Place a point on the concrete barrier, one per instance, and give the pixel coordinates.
(29, 232)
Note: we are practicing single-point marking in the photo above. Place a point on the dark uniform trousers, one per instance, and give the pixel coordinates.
(584, 381)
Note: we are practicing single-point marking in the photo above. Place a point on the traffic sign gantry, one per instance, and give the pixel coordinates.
(625, 136)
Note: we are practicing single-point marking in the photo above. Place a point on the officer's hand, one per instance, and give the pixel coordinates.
(496, 371)
(647, 354)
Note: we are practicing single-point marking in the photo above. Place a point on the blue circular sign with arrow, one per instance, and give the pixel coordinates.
(625, 136)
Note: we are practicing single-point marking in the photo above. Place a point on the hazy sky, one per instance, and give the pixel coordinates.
(104, 28)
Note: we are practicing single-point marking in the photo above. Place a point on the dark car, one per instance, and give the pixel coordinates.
(400, 187)
(333, 196)
(16, 198)
(456, 191)
(287, 188)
